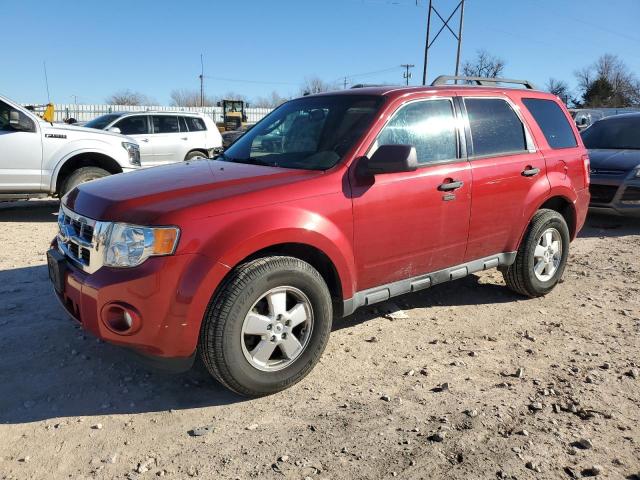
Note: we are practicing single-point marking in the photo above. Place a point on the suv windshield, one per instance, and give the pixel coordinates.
(310, 133)
(102, 121)
(616, 133)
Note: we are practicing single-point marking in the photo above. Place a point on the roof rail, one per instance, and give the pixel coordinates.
(482, 81)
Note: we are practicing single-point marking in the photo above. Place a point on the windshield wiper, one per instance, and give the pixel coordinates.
(249, 160)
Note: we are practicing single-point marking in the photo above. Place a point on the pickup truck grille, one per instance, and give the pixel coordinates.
(79, 239)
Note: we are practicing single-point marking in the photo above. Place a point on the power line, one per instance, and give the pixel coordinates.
(445, 24)
(239, 80)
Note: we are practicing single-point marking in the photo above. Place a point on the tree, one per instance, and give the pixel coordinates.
(560, 88)
(484, 65)
(128, 97)
(313, 85)
(183, 97)
(608, 83)
(272, 101)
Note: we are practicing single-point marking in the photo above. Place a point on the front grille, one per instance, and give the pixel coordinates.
(631, 194)
(602, 193)
(79, 239)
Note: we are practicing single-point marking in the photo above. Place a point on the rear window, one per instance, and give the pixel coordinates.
(195, 124)
(552, 122)
(614, 133)
(495, 127)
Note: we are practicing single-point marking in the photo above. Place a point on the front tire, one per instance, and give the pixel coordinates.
(195, 155)
(82, 175)
(542, 256)
(267, 326)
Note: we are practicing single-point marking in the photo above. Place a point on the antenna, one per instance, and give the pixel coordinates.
(201, 81)
(46, 81)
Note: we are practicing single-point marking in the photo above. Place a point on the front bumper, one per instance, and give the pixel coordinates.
(166, 293)
(618, 196)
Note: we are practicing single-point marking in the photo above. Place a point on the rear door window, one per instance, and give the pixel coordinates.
(495, 127)
(165, 124)
(135, 125)
(552, 122)
(428, 125)
(195, 124)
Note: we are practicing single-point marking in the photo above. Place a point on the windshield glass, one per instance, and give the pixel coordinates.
(310, 133)
(102, 121)
(616, 133)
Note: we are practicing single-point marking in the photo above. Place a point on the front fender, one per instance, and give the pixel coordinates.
(228, 239)
(77, 148)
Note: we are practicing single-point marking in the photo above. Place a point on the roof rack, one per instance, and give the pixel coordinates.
(481, 81)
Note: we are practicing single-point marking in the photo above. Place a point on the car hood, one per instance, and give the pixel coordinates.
(147, 196)
(625, 160)
(73, 132)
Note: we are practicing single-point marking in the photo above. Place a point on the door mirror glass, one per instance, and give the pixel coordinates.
(115, 130)
(392, 159)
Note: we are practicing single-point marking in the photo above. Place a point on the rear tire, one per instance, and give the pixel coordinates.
(246, 303)
(195, 155)
(542, 256)
(82, 175)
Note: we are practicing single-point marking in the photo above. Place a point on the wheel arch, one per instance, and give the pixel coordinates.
(201, 150)
(561, 202)
(84, 159)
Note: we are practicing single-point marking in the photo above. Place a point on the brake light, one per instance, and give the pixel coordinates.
(586, 165)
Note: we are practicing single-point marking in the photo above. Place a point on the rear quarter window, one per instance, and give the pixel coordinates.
(195, 124)
(552, 121)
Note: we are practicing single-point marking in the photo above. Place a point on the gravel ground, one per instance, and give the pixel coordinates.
(467, 381)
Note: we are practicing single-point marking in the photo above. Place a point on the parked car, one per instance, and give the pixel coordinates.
(585, 117)
(40, 159)
(165, 137)
(375, 192)
(614, 149)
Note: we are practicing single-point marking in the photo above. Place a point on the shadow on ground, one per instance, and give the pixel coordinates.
(598, 225)
(51, 368)
(29, 211)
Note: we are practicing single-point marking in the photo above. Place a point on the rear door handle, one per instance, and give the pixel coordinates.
(448, 186)
(144, 140)
(530, 171)
(184, 138)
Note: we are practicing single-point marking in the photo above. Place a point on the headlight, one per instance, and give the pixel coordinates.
(638, 173)
(134, 152)
(131, 245)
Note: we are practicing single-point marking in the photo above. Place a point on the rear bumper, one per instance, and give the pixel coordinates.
(167, 295)
(615, 196)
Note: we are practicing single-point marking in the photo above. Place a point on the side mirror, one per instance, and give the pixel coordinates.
(19, 121)
(392, 159)
(115, 130)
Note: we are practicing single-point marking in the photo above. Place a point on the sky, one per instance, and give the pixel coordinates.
(93, 49)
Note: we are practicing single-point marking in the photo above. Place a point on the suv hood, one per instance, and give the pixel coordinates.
(625, 160)
(144, 196)
(82, 132)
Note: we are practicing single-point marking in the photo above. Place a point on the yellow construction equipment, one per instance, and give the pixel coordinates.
(46, 112)
(233, 115)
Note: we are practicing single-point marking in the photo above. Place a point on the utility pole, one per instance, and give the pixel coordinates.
(201, 81)
(345, 83)
(445, 24)
(407, 74)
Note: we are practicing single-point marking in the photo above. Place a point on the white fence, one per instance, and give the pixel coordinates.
(84, 113)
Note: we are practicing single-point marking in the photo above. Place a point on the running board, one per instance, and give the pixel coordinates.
(384, 292)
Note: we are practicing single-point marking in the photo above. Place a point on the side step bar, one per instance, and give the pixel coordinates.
(384, 292)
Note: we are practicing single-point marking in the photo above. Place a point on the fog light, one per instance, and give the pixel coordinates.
(120, 318)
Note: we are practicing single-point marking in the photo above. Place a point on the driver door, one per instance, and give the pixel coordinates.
(21, 157)
(408, 223)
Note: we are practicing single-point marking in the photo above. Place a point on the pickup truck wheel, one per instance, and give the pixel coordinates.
(82, 175)
(542, 256)
(267, 326)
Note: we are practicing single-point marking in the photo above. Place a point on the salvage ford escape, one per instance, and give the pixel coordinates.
(361, 195)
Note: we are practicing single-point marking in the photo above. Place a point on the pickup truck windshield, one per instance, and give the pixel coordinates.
(310, 133)
(102, 121)
(617, 133)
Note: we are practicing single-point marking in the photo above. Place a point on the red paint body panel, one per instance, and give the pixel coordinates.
(374, 232)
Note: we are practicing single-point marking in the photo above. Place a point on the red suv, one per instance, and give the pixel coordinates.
(331, 202)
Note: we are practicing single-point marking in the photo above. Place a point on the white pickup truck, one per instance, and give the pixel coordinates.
(40, 159)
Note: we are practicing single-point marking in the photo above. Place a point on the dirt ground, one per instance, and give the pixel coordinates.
(476, 382)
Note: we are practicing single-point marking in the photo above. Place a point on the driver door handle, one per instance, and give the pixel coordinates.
(144, 140)
(530, 171)
(448, 186)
